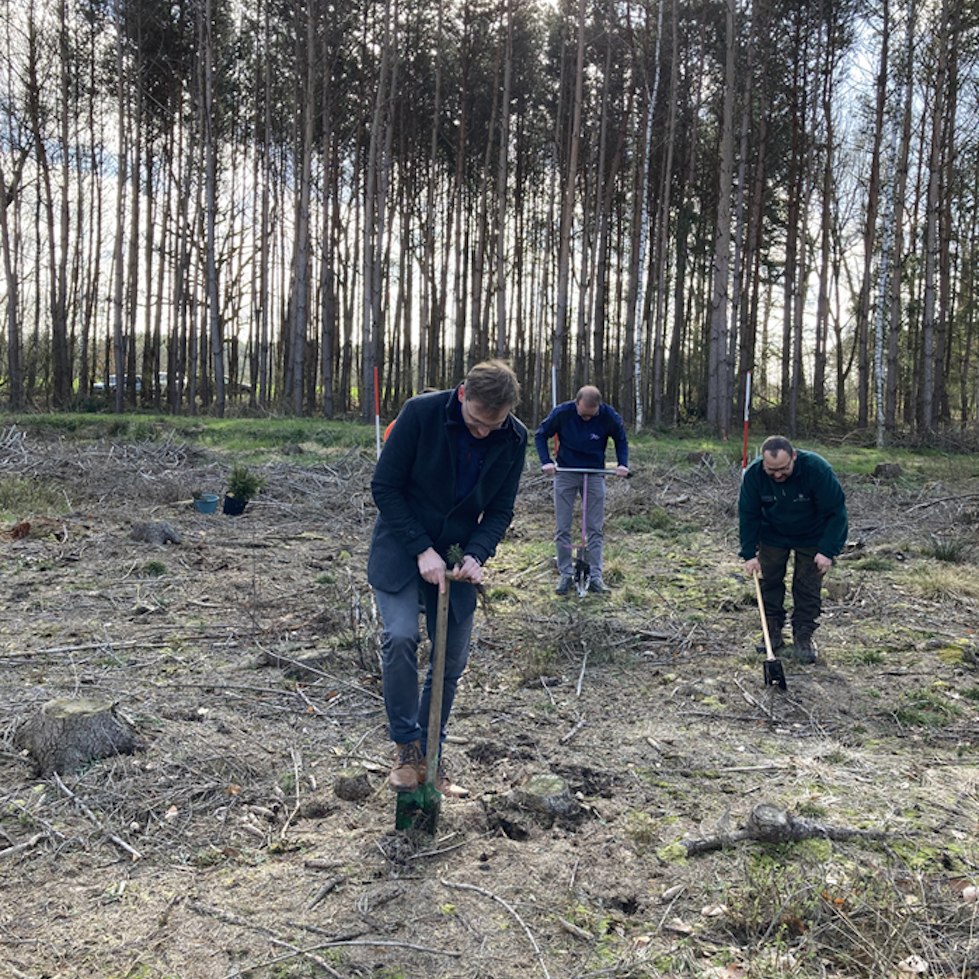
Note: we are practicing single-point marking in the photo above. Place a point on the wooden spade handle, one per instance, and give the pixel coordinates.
(764, 618)
(438, 682)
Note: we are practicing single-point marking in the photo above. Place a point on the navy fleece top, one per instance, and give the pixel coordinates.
(581, 442)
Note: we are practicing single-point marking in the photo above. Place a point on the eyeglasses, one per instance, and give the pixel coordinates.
(473, 420)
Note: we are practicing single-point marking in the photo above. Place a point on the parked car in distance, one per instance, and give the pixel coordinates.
(100, 386)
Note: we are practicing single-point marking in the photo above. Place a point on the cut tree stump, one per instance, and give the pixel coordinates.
(546, 795)
(352, 784)
(158, 532)
(65, 735)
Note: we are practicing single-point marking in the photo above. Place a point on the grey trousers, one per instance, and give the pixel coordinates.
(567, 486)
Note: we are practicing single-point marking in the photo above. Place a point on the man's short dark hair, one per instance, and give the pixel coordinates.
(494, 385)
(775, 444)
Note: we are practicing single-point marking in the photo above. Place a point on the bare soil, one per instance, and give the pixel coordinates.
(246, 660)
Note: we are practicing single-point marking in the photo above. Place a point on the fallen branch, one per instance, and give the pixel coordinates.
(573, 929)
(769, 824)
(519, 920)
(943, 499)
(581, 675)
(122, 844)
(316, 959)
(581, 723)
(316, 863)
(308, 952)
(12, 851)
(296, 765)
(331, 885)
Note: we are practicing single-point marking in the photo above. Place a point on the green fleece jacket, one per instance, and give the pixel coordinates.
(806, 510)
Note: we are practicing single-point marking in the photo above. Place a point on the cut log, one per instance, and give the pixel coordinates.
(352, 784)
(65, 735)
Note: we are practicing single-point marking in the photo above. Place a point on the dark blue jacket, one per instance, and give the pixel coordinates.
(581, 444)
(414, 487)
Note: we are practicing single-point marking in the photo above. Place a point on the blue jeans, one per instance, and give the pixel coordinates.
(407, 714)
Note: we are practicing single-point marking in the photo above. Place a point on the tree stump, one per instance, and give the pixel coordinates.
(545, 795)
(158, 532)
(65, 735)
(769, 824)
(352, 784)
(887, 470)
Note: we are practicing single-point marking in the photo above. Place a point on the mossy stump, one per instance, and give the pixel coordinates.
(352, 784)
(547, 796)
(65, 735)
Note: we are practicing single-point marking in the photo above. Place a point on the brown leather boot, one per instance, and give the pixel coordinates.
(404, 775)
(443, 783)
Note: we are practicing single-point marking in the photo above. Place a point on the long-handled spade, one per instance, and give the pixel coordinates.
(582, 569)
(419, 810)
(774, 672)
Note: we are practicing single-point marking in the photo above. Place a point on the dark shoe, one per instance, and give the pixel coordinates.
(805, 649)
(775, 634)
(404, 775)
(596, 586)
(564, 585)
(443, 783)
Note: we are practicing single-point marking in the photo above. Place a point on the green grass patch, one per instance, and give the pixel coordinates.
(657, 519)
(943, 583)
(503, 594)
(926, 708)
(871, 564)
(247, 436)
(870, 657)
(950, 550)
(21, 496)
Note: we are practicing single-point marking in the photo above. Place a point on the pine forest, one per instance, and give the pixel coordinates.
(314, 207)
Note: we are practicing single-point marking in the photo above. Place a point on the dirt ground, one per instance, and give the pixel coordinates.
(245, 659)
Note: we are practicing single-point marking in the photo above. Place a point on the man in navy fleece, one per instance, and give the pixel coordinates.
(583, 428)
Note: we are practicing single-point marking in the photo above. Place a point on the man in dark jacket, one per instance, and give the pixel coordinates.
(583, 428)
(791, 501)
(448, 475)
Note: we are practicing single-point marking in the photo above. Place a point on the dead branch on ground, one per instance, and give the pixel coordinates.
(769, 824)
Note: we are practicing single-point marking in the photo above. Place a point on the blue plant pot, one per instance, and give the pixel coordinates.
(206, 503)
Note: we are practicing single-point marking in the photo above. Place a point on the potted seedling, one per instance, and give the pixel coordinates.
(243, 484)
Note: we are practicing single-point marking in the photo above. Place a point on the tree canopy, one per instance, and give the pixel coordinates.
(255, 207)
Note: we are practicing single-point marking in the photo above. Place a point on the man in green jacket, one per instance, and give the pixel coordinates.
(791, 501)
